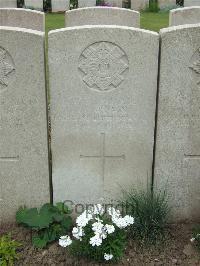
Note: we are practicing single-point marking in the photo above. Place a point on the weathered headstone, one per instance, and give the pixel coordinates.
(22, 18)
(166, 3)
(102, 15)
(139, 4)
(191, 3)
(115, 3)
(60, 5)
(8, 3)
(35, 4)
(177, 165)
(187, 15)
(86, 3)
(24, 171)
(103, 99)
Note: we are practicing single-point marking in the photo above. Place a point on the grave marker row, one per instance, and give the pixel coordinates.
(103, 85)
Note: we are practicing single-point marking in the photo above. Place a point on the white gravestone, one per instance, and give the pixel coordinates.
(102, 15)
(187, 15)
(8, 3)
(22, 18)
(177, 165)
(36, 4)
(191, 3)
(86, 3)
(24, 167)
(139, 4)
(103, 99)
(115, 3)
(166, 3)
(60, 5)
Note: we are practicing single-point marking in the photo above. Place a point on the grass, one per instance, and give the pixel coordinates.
(154, 21)
(149, 21)
(151, 213)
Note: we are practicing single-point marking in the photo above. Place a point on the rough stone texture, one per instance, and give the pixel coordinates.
(24, 171)
(139, 4)
(59, 5)
(36, 4)
(191, 3)
(115, 3)
(166, 3)
(187, 15)
(177, 166)
(86, 3)
(8, 3)
(22, 18)
(102, 15)
(102, 110)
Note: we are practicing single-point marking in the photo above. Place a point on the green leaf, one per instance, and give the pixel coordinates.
(39, 242)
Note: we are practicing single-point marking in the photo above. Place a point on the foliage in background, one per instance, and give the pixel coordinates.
(180, 2)
(74, 3)
(20, 3)
(153, 6)
(151, 215)
(47, 5)
(196, 236)
(99, 235)
(48, 223)
(8, 249)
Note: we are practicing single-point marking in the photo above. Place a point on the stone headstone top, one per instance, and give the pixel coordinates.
(60, 5)
(187, 15)
(86, 3)
(8, 3)
(191, 3)
(34, 4)
(22, 18)
(102, 15)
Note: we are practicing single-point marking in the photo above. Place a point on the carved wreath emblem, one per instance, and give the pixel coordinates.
(103, 66)
(196, 64)
(6, 67)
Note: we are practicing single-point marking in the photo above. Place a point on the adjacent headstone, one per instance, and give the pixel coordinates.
(115, 3)
(166, 3)
(24, 168)
(35, 4)
(22, 18)
(177, 165)
(191, 3)
(60, 5)
(139, 4)
(102, 15)
(102, 110)
(8, 3)
(187, 15)
(86, 3)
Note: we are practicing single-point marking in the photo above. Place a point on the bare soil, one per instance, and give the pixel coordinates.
(177, 250)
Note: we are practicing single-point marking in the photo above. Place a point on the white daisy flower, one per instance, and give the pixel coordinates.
(108, 256)
(65, 241)
(96, 240)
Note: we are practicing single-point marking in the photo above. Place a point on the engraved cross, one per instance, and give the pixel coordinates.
(9, 159)
(103, 156)
(192, 156)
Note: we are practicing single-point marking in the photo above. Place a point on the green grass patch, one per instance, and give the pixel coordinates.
(154, 21)
(151, 212)
(149, 20)
(54, 21)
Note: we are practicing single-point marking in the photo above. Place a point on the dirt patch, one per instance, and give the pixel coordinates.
(177, 250)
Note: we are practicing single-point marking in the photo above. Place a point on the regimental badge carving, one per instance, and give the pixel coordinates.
(6, 67)
(195, 65)
(103, 66)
